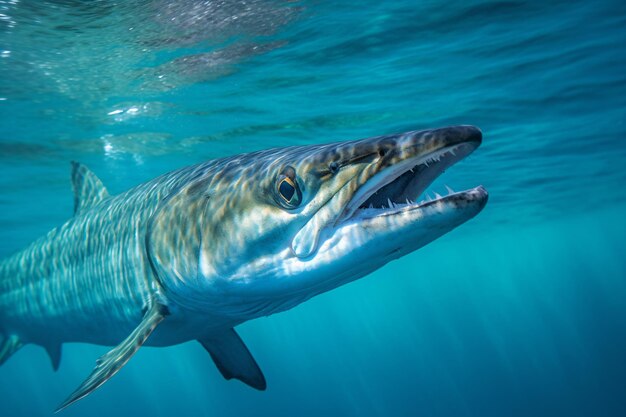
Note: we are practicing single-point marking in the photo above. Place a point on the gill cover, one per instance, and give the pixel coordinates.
(174, 236)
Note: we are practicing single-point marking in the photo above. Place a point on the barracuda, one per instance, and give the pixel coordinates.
(193, 253)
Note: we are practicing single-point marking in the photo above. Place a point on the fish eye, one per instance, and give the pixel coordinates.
(286, 189)
(288, 192)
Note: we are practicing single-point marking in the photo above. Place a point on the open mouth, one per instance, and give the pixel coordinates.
(392, 181)
(403, 186)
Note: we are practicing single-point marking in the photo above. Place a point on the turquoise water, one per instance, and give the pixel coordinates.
(520, 312)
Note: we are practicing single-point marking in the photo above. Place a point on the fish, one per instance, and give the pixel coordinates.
(193, 253)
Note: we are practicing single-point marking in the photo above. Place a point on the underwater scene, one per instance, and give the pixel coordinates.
(518, 311)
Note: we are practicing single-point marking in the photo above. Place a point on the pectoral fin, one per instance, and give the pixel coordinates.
(109, 364)
(234, 360)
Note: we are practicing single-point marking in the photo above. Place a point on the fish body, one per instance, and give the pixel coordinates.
(88, 280)
(195, 252)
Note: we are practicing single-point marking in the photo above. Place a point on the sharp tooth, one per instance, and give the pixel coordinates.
(390, 203)
(452, 151)
(408, 202)
(437, 196)
(371, 206)
(450, 190)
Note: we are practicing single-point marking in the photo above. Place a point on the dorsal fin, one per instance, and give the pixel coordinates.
(88, 189)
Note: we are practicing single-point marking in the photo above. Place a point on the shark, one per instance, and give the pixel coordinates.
(191, 254)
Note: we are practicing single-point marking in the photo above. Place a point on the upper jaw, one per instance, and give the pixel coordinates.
(411, 162)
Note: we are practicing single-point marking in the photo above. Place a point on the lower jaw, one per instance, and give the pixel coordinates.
(391, 235)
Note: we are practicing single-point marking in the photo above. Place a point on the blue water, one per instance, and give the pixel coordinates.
(520, 312)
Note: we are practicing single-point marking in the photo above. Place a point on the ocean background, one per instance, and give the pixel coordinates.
(520, 312)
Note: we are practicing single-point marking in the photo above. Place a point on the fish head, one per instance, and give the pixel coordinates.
(277, 227)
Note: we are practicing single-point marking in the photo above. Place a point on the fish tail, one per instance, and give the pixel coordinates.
(8, 346)
(9, 343)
